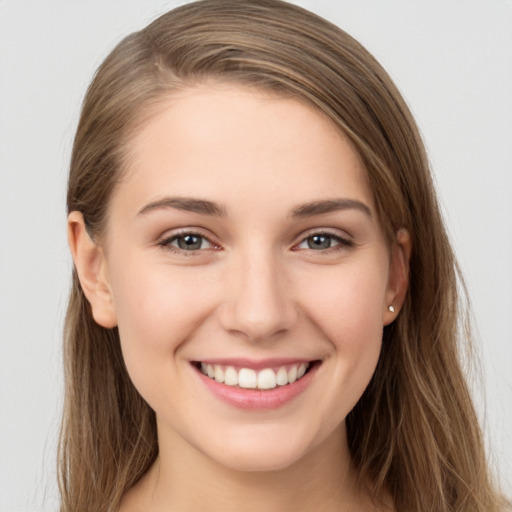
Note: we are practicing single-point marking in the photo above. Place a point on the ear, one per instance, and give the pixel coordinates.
(91, 267)
(398, 280)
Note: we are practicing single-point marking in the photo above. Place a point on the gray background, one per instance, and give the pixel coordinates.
(452, 60)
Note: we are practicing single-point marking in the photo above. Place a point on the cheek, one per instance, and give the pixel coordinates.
(158, 309)
(156, 302)
(348, 308)
(347, 304)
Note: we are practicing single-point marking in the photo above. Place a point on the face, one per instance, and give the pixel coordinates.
(244, 265)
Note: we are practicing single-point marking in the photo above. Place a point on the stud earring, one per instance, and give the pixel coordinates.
(391, 309)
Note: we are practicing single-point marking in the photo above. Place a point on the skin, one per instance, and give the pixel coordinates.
(256, 288)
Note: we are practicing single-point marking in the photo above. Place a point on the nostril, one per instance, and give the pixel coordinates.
(257, 304)
(259, 322)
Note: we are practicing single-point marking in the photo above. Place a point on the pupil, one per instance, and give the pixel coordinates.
(189, 242)
(319, 242)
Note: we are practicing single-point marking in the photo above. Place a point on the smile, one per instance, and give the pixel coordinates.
(249, 378)
(259, 385)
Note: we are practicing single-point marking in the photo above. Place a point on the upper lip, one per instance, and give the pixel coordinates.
(254, 364)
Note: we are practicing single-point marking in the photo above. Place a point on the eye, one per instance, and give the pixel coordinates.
(323, 242)
(189, 242)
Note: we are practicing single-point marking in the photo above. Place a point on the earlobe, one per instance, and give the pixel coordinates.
(398, 281)
(92, 272)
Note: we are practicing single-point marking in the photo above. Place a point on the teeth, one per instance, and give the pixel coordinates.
(292, 374)
(250, 379)
(267, 379)
(218, 373)
(231, 376)
(247, 378)
(282, 376)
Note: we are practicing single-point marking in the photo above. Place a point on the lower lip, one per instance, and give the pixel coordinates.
(259, 399)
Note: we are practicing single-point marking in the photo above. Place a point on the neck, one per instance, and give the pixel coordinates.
(184, 479)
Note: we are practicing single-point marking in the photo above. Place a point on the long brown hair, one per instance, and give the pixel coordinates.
(414, 434)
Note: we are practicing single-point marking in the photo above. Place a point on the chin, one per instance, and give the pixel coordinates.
(257, 460)
(261, 451)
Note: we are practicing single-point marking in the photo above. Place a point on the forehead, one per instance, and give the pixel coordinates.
(235, 141)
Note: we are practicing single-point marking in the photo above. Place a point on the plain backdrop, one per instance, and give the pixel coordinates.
(452, 59)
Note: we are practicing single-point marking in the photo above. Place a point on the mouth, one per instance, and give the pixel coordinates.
(266, 378)
(262, 385)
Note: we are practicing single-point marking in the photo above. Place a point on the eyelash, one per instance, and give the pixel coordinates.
(166, 243)
(340, 243)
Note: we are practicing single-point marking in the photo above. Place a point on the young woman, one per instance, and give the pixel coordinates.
(264, 313)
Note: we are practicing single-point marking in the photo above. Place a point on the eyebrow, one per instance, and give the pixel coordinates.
(330, 205)
(188, 204)
(205, 207)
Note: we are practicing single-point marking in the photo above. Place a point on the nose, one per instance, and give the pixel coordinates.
(258, 305)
